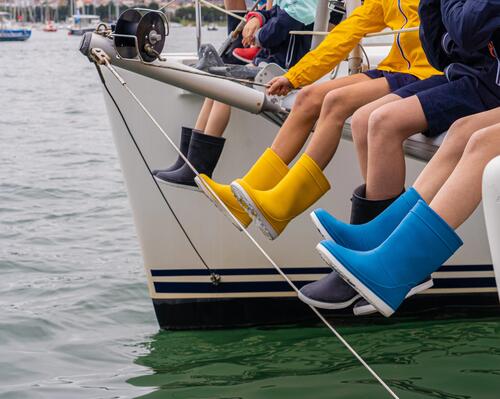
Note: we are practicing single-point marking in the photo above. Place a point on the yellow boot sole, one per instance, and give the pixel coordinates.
(230, 216)
(253, 210)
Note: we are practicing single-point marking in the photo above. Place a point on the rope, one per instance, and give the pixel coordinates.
(249, 236)
(222, 10)
(213, 275)
(237, 80)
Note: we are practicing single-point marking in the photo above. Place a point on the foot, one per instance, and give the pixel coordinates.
(246, 54)
(329, 292)
(243, 194)
(223, 192)
(363, 307)
(182, 178)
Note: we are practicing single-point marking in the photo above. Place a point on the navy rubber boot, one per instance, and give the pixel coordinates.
(366, 236)
(384, 276)
(183, 146)
(203, 153)
(329, 292)
(364, 210)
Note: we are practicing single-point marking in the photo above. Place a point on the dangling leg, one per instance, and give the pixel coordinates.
(205, 147)
(271, 167)
(465, 181)
(425, 238)
(306, 183)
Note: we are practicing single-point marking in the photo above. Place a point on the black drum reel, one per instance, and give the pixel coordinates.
(140, 34)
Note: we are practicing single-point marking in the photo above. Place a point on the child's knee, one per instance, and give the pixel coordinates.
(359, 126)
(380, 123)
(485, 140)
(309, 100)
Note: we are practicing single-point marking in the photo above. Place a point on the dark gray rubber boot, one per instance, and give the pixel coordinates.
(204, 153)
(329, 292)
(183, 146)
(364, 210)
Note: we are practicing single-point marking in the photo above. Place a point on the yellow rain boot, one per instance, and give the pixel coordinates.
(264, 175)
(304, 184)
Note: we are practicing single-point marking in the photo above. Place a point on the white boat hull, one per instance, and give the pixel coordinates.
(249, 292)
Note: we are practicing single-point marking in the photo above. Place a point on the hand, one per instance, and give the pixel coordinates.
(251, 27)
(279, 86)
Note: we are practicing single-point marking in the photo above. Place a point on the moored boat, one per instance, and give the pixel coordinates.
(10, 32)
(201, 272)
(80, 24)
(50, 26)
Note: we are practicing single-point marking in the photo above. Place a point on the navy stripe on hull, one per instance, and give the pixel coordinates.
(292, 270)
(282, 286)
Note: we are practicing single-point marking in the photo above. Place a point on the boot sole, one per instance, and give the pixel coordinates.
(328, 305)
(183, 186)
(249, 206)
(216, 202)
(320, 228)
(354, 282)
(370, 309)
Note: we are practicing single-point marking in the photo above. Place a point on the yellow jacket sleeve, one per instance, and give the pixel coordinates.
(338, 44)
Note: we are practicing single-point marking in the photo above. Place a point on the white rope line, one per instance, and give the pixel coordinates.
(244, 230)
(377, 34)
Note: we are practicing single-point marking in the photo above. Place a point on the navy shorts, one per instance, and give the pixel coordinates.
(444, 102)
(396, 80)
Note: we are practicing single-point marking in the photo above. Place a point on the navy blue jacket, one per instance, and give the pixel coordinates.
(462, 38)
(278, 45)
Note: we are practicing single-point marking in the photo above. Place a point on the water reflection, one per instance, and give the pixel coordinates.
(435, 359)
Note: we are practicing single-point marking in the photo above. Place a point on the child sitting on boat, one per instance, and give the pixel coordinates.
(386, 258)
(270, 30)
(272, 193)
(463, 39)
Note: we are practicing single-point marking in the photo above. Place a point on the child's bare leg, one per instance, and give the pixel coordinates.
(388, 127)
(461, 193)
(446, 158)
(339, 105)
(218, 119)
(201, 122)
(235, 5)
(359, 128)
(297, 127)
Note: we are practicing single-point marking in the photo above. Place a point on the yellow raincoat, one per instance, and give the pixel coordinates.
(406, 54)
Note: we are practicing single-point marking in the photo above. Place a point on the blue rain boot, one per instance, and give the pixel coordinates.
(385, 275)
(332, 292)
(363, 237)
(183, 146)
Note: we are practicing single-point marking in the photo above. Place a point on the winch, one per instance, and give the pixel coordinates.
(140, 33)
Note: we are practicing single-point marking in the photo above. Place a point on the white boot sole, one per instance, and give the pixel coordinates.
(328, 305)
(183, 186)
(370, 309)
(353, 281)
(254, 212)
(320, 228)
(217, 204)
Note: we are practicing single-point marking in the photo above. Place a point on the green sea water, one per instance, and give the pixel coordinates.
(75, 317)
(455, 359)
